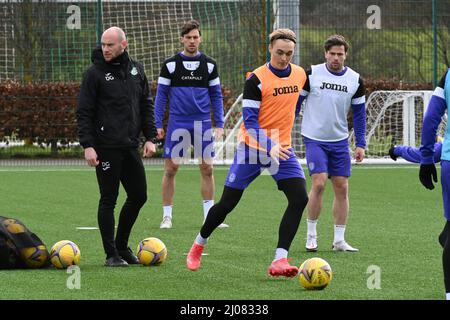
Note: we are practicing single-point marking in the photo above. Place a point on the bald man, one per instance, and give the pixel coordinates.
(114, 108)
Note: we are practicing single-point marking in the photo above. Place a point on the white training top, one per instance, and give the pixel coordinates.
(329, 97)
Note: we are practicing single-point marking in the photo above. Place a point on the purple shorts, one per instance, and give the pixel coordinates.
(328, 157)
(248, 164)
(182, 134)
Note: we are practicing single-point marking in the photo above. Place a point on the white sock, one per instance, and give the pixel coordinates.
(447, 295)
(200, 240)
(280, 253)
(312, 230)
(167, 211)
(339, 231)
(207, 204)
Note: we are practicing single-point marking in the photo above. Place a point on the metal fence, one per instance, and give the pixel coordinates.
(51, 41)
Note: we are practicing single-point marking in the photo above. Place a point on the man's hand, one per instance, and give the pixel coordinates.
(91, 156)
(427, 171)
(218, 133)
(279, 151)
(161, 133)
(149, 149)
(359, 154)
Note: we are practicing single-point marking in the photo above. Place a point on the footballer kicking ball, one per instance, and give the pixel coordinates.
(315, 274)
(65, 253)
(151, 252)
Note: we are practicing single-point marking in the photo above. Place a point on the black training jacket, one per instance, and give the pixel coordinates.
(114, 104)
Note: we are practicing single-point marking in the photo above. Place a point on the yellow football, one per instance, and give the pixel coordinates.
(151, 252)
(65, 253)
(315, 274)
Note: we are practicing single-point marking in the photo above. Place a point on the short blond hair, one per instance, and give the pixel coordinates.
(286, 34)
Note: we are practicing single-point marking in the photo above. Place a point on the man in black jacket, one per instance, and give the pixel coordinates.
(114, 107)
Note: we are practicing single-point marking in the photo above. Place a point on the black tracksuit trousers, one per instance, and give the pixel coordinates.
(119, 165)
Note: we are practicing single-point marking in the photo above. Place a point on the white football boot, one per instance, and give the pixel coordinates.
(221, 226)
(166, 223)
(311, 243)
(343, 246)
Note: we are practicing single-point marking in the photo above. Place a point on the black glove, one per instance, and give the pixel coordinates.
(426, 172)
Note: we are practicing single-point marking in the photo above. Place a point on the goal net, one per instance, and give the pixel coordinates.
(152, 28)
(393, 117)
(52, 40)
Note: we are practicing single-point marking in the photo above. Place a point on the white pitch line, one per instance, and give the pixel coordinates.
(368, 167)
(187, 168)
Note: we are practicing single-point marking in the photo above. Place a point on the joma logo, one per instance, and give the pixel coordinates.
(284, 90)
(333, 86)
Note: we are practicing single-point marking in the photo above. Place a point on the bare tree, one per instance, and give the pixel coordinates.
(31, 37)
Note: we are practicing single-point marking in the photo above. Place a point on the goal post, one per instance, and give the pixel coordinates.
(394, 117)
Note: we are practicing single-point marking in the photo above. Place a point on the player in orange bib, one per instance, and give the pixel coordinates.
(271, 101)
